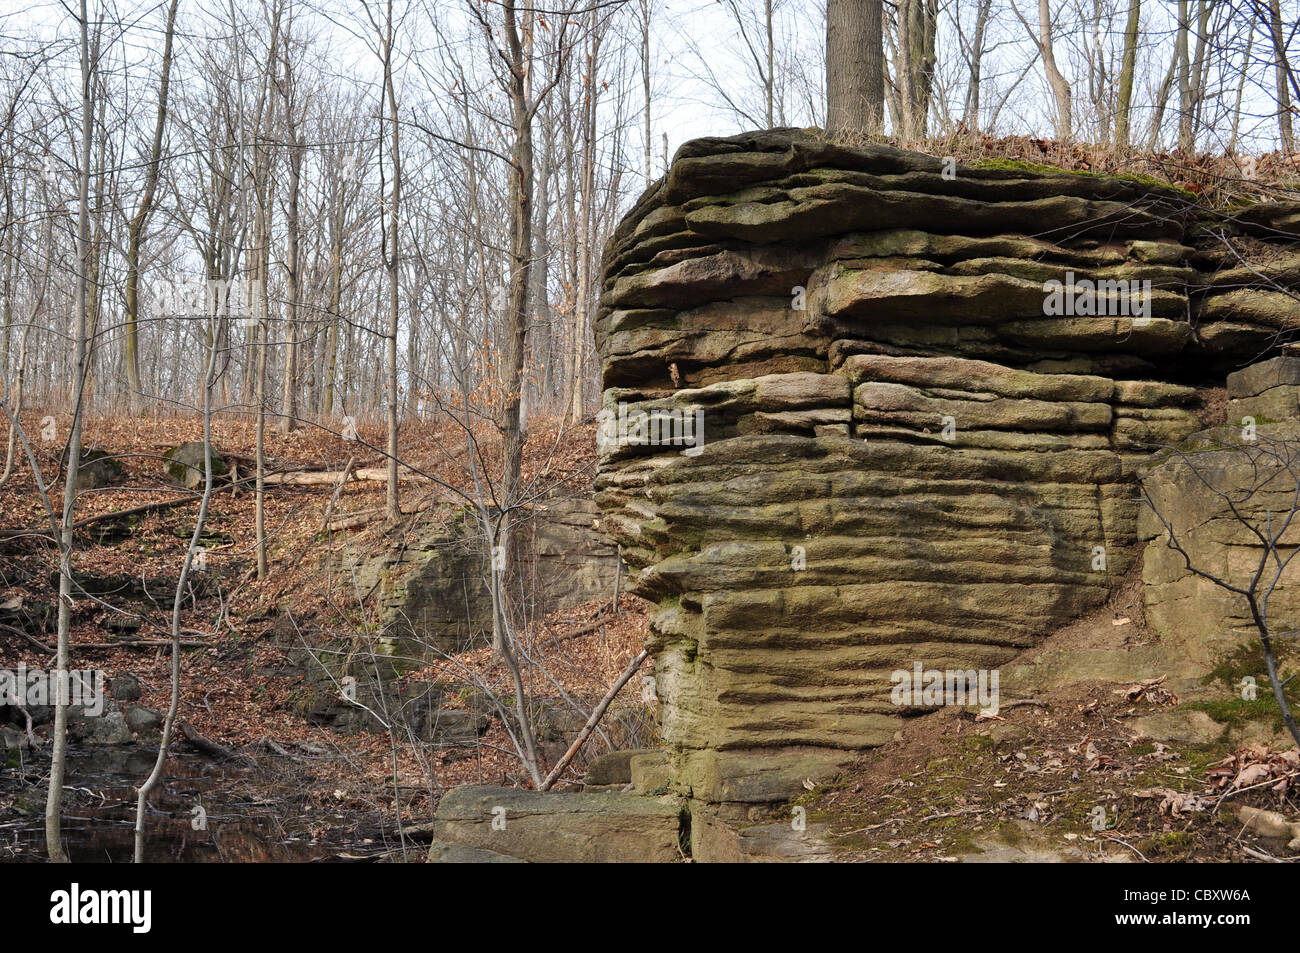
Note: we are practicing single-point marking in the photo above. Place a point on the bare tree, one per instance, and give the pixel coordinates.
(973, 51)
(1060, 86)
(644, 12)
(289, 86)
(917, 25)
(140, 220)
(391, 230)
(58, 762)
(1285, 78)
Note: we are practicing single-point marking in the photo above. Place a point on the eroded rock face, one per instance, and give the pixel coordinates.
(433, 592)
(911, 452)
(1215, 502)
(433, 598)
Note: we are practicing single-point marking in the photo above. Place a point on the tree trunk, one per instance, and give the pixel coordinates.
(516, 336)
(392, 503)
(769, 80)
(915, 64)
(584, 234)
(1184, 74)
(1282, 72)
(1060, 86)
(135, 231)
(59, 756)
(1127, 69)
(1241, 90)
(1161, 96)
(292, 267)
(645, 86)
(971, 112)
(326, 406)
(855, 67)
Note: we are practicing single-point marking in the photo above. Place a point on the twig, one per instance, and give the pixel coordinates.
(1118, 840)
(144, 644)
(26, 635)
(1261, 855)
(1020, 702)
(618, 574)
(869, 827)
(581, 630)
(1270, 781)
(963, 811)
(591, 722)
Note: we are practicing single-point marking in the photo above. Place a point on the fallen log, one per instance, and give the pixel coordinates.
(116, 514)
(290, 478)
(352, 521)
(143, 508)
(575, 633)
(26, 635)
(211, 748)
(320, 477)
(142, 644)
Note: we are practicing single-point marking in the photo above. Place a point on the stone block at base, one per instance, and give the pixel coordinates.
(546, 827)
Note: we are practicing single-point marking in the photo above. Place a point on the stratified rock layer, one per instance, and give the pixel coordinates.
(909, 454)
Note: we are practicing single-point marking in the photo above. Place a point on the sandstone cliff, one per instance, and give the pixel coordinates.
(924, 391)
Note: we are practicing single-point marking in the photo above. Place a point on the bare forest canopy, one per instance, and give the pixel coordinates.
(329, 188)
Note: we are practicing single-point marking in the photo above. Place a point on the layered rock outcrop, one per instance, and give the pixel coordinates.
(433, 594)
(433, 598)
(1226, 506)
(865, 408)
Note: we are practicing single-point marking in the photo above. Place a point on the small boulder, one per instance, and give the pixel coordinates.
(650, 769)
(449, 726)
(143, 720)
(97, 469)
(1182, 726)
(125, 687)
(550, 827)
(185, 464)
(613, 767)
(560, 722)
(110, 729)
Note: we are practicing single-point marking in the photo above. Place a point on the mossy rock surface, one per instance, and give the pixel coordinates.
(97, 469)
(186, 464)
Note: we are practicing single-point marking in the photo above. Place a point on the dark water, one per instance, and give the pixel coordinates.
(233, 822)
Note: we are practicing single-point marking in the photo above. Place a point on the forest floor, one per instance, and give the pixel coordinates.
(239, 687)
